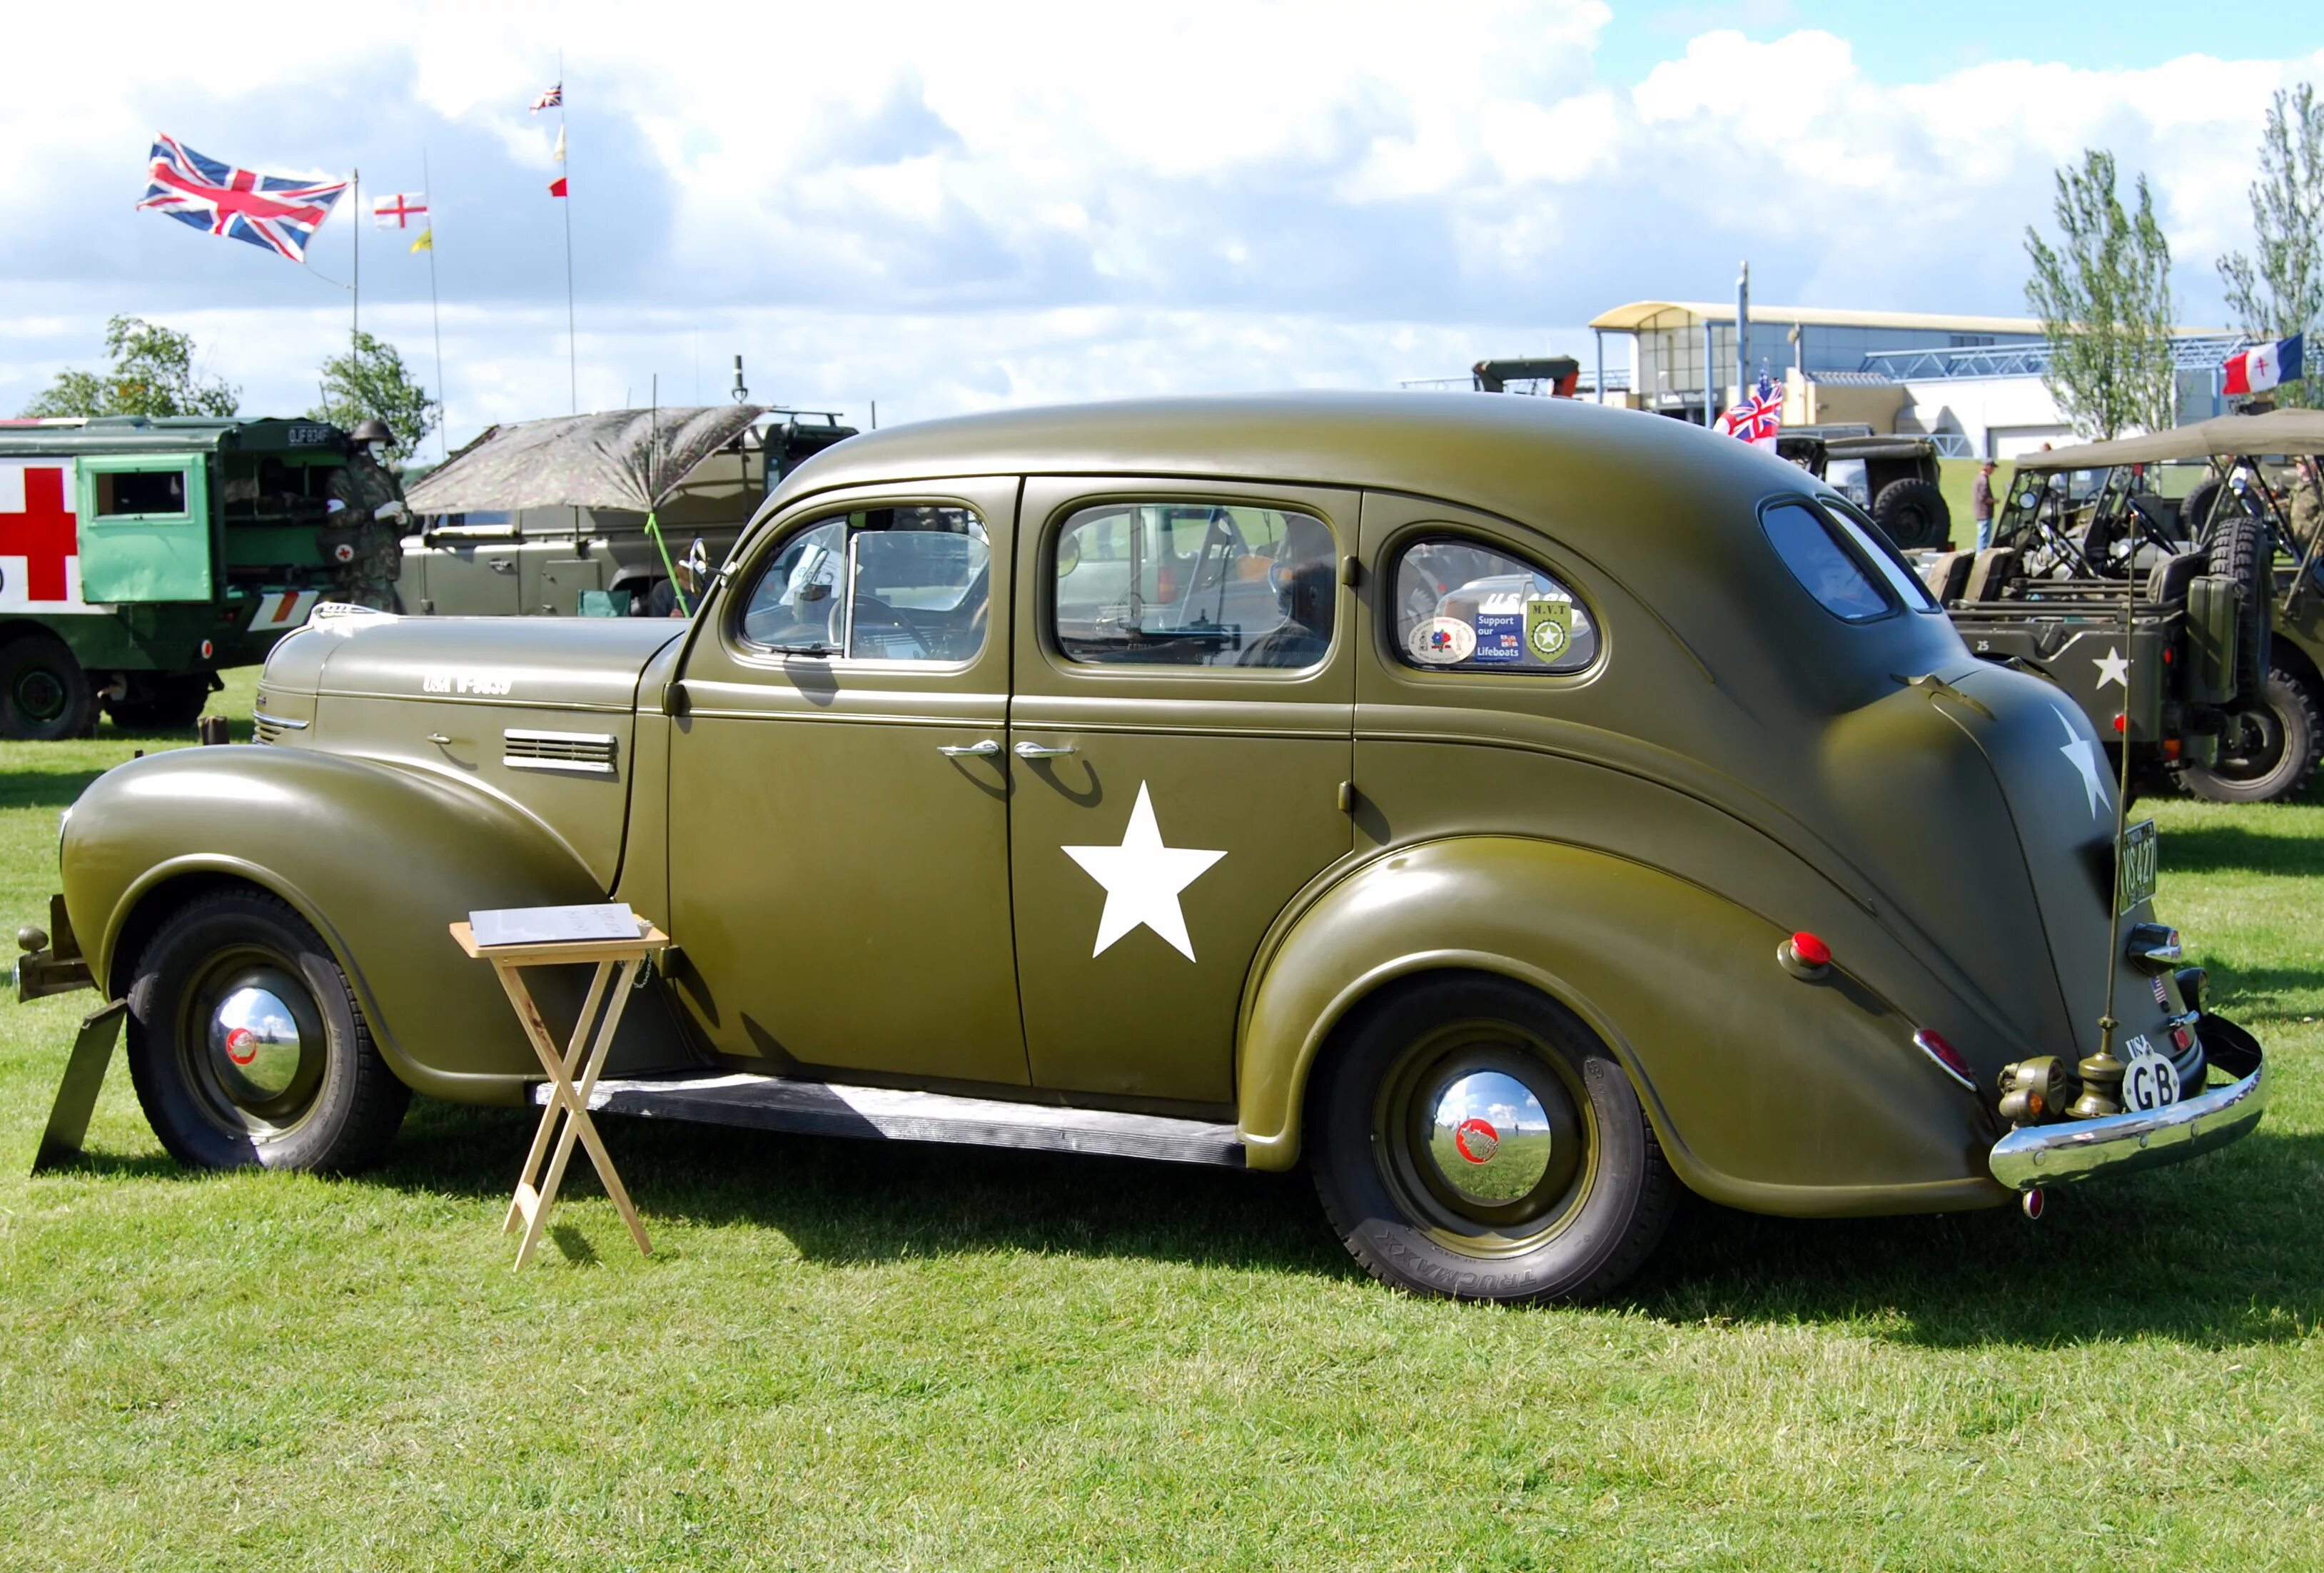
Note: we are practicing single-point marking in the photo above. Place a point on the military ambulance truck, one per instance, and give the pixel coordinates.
(139, 557)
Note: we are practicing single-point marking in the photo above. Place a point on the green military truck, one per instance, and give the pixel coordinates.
(549, 517)
(2163, 581)
(140, 556)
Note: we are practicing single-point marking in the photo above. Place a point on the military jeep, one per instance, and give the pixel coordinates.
(2165, 582)
(1893, 478)
(1514, 811)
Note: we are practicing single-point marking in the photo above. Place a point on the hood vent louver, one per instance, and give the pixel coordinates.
(586, 753)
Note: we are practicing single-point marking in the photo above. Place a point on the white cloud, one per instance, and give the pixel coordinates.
(952, 205)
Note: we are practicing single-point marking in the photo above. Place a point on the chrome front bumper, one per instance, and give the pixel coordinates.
(2122, 1143)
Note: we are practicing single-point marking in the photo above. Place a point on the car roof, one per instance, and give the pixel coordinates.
(1610, 480)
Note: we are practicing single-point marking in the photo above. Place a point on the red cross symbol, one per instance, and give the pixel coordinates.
(44, 535)
(400, 211)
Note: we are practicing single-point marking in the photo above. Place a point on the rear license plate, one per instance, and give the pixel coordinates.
(2138, 864)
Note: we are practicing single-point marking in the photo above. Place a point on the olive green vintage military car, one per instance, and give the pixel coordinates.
(1514, 810)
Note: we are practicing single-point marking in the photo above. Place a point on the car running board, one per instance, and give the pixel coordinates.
(881, 1114)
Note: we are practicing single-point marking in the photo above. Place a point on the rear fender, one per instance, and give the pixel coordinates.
(1766, 1092)
(380, 860)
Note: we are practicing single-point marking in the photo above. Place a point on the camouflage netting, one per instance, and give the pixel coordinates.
(618, 458)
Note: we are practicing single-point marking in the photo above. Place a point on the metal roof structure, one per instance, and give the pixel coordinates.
(1647, 315)
(2189, 352)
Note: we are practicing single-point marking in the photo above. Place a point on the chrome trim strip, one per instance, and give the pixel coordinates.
(586, 766)
(518, 734)
(2122, 1143)
(262, 719)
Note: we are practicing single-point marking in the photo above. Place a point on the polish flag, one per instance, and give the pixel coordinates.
(2264, 367)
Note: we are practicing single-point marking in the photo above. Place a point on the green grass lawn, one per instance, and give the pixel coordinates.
(862, 1356)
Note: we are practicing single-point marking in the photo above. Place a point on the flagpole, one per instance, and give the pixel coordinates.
(435, 318)
(354, 318)
(572, 350)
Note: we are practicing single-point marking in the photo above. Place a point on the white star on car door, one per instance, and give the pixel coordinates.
(1142, 878)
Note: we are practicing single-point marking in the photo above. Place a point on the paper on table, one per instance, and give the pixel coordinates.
(535, 925)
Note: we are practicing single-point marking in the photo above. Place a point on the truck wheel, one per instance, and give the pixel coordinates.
(2239, 553)
(1912, 513)
(175, 700)
(2268, 753)
(247, 1047)
(1474, 1140)
(44, 695)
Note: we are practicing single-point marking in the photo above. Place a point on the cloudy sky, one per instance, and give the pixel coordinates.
(946, 207)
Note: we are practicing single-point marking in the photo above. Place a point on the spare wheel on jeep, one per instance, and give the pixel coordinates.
(1913, 514)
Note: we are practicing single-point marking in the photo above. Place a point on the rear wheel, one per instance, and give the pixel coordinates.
(246, 1046)
(44, 695)
(1912, 513)
(2269, 751)
(1473, 1139)
(173, 699)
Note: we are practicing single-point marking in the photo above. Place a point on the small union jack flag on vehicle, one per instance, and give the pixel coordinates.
(1757, 416)
(550, 99)
(278, 212)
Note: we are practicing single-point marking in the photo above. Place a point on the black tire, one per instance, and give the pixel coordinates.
(2195, 510)
(45, 695)
(2239, 552)
(329, 1103)
(1912, 514)
(2270, 752)
(1578, 1210)
(175, 699)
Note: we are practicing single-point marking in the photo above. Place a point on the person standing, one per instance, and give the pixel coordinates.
(1980, 504)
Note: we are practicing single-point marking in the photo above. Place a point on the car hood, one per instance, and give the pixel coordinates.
(578, 663)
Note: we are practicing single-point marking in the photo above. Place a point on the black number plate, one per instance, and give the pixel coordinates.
(2138, 864)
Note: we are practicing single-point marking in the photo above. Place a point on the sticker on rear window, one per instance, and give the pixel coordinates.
(1441, 642)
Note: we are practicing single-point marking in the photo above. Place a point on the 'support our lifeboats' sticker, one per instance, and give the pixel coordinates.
(1549, 628)
(1441, 642)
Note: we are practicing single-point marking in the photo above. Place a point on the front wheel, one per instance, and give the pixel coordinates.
(247, 1047)
(1474, 1140)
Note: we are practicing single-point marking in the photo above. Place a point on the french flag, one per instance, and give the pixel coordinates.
(2263, 367)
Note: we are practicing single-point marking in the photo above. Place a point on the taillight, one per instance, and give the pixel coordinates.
(1947, 1057)
(1803, 955)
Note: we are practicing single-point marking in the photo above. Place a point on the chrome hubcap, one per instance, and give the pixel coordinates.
(256, 1044)
(1488, 1137)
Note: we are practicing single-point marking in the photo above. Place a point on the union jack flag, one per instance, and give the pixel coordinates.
(1757, 416)
(550, 99)
(278, 212)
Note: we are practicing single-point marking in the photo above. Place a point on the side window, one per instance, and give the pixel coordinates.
(1461, 606)
(141, 493)
(877, 585)
(1194, 584)
(1874, 545)
(1813, 548)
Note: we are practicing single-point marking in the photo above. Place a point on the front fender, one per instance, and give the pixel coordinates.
(378, 859)
(1766, 1092)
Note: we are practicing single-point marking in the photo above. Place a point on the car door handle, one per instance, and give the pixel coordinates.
(979, 749)
(503, 566)
(1044, 750)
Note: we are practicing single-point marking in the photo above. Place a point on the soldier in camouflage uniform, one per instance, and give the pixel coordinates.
(365, 551)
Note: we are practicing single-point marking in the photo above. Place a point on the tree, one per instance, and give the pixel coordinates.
(370, 382)
(2104, 298)
(2280, 292)
(152, 374)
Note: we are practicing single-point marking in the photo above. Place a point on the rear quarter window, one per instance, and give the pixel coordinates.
(1824, 562)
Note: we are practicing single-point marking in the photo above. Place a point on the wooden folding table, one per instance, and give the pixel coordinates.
(572, 1075)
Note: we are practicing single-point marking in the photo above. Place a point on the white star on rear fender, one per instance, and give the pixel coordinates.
(2113, 668)
(1142, 878)
(2086, 756)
